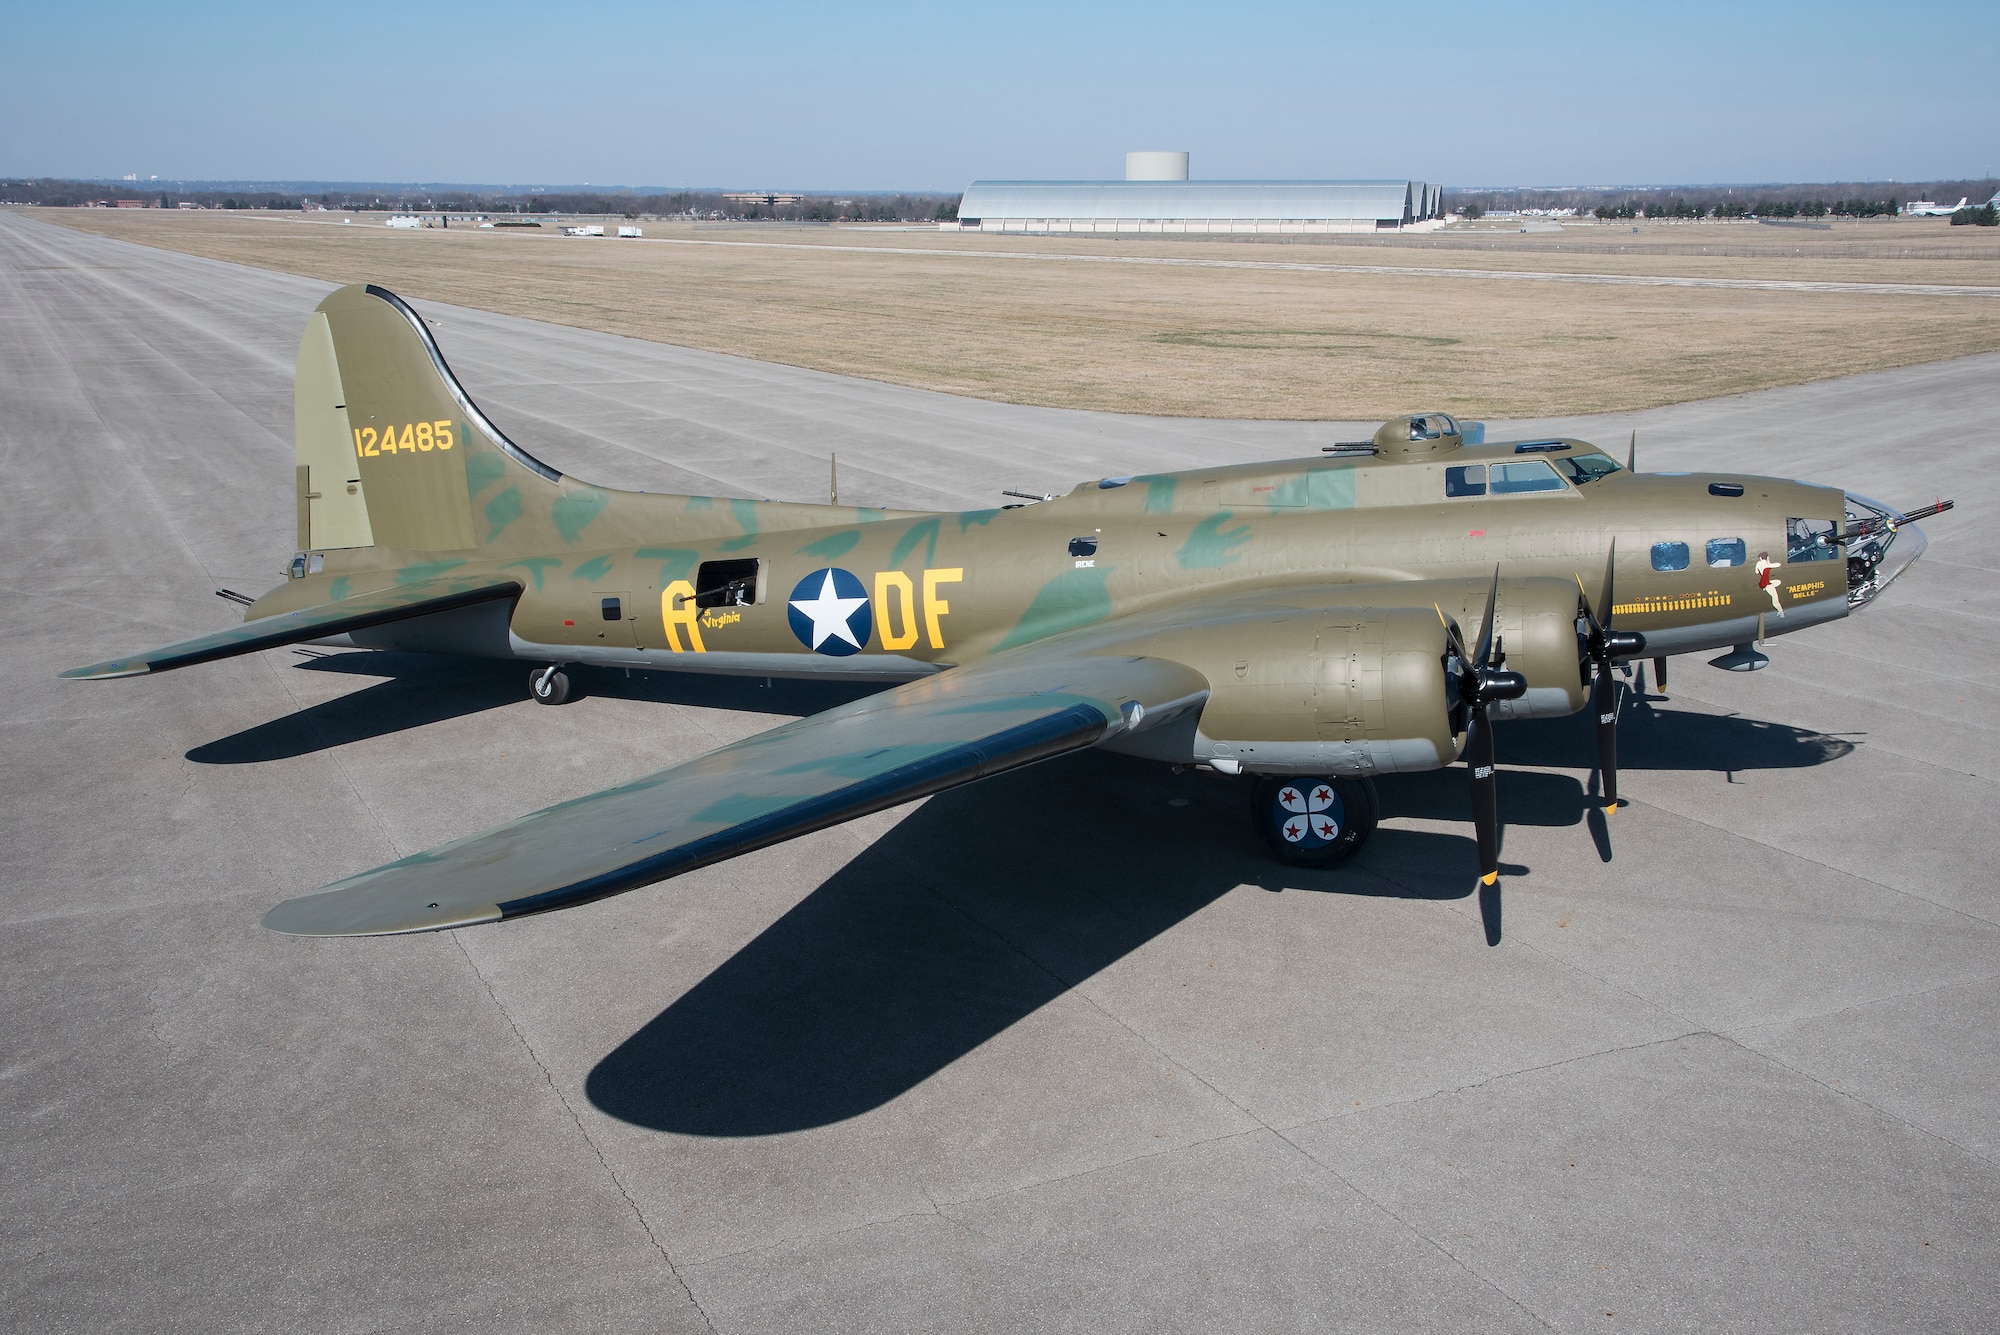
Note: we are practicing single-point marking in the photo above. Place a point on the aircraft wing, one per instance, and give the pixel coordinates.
(420, 598)
(920, 738)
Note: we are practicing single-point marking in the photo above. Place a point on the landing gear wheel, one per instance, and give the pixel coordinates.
(550, 686)
(1314, 821)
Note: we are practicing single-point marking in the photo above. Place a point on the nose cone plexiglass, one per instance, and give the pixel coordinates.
(1880, 546)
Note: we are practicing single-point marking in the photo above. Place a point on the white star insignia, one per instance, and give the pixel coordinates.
(829, 613)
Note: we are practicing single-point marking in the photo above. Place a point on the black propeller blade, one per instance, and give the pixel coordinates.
(1479, 685)
(1603, 646)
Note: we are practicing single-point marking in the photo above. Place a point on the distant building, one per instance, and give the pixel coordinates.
(1156, 196)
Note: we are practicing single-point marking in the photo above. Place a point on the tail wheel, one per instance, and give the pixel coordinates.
(550, 686)
(1314, 821)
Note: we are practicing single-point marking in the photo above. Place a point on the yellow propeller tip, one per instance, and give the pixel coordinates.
(1489, 878)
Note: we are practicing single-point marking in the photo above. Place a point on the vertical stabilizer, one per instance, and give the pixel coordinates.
(378, 406)
(394, 454)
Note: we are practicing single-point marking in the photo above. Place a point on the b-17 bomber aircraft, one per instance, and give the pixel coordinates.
(1309, 623)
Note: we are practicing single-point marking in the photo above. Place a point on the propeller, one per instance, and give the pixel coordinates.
(1602, 646)
(1632, 453)
(1479, 685)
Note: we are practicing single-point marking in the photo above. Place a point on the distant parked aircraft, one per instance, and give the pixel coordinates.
(1924, 208)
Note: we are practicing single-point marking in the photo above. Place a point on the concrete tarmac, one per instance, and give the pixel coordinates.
(1059, 1051)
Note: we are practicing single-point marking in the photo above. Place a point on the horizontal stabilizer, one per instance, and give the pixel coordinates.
(874, 753)
(421, 598)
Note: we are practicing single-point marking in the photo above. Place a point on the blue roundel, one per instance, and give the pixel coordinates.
(829, 612)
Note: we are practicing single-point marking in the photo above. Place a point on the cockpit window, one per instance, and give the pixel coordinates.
(1528, 475)
(1465, 480)
(1810, 540)
(1582, 468)
(1432, 427)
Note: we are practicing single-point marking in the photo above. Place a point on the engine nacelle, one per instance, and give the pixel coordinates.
(1315, 691)
(1538, 632)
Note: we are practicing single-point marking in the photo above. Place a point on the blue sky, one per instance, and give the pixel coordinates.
(931, 96)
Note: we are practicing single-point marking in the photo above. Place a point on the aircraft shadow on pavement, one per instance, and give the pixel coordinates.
(989, 902)
(419, 689)
(1652, 738)
(979, 908)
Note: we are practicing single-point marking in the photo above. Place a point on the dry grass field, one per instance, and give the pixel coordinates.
(1320, 328)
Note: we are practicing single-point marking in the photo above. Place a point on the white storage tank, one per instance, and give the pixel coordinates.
(1156, 166)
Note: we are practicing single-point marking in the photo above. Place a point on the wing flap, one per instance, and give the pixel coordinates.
(918, 739)
(421, 598)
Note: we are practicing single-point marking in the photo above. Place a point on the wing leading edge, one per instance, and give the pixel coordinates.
(917, 739)
(419, 598)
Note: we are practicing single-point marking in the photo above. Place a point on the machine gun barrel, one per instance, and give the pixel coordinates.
(1874, 524)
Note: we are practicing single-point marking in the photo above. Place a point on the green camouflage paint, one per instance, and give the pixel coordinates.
(1210, 546)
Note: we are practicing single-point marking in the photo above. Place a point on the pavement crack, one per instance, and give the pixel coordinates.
(1733, 1034)
(1447, 1253)
(1832, 867)
(1095, 1169)
(1852, 1097)
(788, 1239)
(549, 1079)
(1485, 1080)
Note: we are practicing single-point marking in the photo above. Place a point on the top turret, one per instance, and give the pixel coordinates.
(1417, 436)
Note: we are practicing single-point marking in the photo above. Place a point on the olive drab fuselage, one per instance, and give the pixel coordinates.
(1370, 611)
(698, 584)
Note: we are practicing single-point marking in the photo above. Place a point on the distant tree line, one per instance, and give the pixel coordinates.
(1761, 208)
(698, 204)
(1849, 199)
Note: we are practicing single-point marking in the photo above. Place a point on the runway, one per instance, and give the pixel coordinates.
(1059, 1051)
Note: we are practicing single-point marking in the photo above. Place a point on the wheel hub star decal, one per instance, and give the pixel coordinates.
(1310, 813)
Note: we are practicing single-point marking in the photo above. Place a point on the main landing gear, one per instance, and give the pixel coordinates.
(550, 685)
(1314, 821)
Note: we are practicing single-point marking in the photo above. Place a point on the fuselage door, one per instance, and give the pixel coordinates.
(616, 618)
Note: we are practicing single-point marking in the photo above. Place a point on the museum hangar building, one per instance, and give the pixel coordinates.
(1157, 196)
